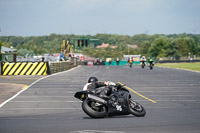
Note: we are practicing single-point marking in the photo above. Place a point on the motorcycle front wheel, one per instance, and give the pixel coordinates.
(136, 109)
(142, 66)
(92, 109)
(151, 67)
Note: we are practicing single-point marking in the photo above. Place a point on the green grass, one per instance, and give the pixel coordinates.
(189, 66)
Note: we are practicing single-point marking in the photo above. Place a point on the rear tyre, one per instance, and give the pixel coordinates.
(93, 111)
(136, 109)
(151, 67)
(142, 66)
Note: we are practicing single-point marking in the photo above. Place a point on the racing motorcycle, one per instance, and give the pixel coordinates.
(142, 64)
(151, 64)
(130, 63)
(100, 104)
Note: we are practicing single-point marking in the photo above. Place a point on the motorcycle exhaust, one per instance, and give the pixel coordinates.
(98, 99)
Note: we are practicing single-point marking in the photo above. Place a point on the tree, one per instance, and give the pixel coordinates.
(158, 48)
(122, 46)
(176, 44)
(7, 44)
(144, 48)
(173, 49)
(25, 52)
(193, 47)
(0, 51)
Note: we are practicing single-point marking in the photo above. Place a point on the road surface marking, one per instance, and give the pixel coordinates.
(25, 86)
(95, 131)
(42, 108)
(138, 93)
(45, 96)
(45, 101)
(2, 104)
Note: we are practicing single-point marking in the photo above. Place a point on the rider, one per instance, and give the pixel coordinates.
(93, 84)
(130, 60)
(150, 60)
(143, 59)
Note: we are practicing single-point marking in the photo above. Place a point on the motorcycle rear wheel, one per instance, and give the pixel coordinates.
(136, 109)
(142, 66)
(93, 111)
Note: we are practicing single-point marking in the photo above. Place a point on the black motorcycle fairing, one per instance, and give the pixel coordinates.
(82, 95)
(98, 104)
(118, 103)
(103, 92)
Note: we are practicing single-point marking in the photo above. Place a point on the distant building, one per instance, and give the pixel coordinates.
(8, 54)
(105, 45)
(132, 46)
(134, 57)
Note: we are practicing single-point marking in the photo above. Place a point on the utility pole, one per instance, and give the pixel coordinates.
(128, 49)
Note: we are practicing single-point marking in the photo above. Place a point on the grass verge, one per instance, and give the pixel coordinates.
(189, 66)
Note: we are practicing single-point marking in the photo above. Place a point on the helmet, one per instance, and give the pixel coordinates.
(92, 79)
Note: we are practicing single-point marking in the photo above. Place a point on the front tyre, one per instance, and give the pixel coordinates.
(151, 66)
(92, 109)
(142, 66)
(136, 109)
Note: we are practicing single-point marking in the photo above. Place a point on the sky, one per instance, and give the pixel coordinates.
(91, 17)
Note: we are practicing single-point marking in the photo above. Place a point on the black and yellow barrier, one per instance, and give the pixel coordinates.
(25, 68)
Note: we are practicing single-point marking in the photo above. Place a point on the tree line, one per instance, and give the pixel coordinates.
(157, 45)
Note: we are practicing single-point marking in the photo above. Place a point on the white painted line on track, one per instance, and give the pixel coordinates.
(23, 109)
(178, 100)
(170, 91)
(42, 108)
(45, 101)
(81, 101)
(167, 87)
(46, 96)
(2, 104)
(41, 91)
(176, 95)
(96, 131)
(170, 100)
(179, 69)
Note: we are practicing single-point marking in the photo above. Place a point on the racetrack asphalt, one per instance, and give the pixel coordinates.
(49, 106)
(10, 85)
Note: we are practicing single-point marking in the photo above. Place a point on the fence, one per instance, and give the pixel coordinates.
(61, 66)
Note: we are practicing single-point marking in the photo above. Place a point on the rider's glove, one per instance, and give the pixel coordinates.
(110, 83)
